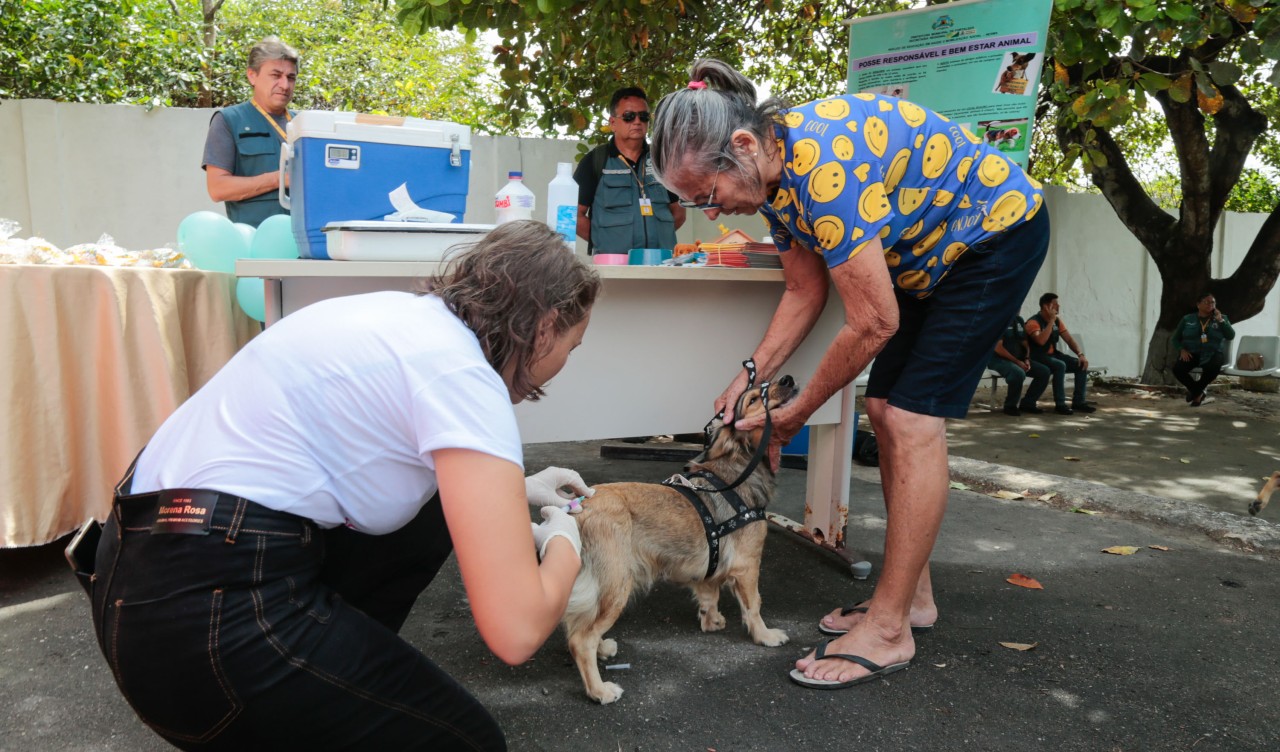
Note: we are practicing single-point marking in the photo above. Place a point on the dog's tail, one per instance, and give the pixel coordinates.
(1264, 495)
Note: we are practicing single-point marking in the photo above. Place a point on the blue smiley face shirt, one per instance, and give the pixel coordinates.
(864, 166)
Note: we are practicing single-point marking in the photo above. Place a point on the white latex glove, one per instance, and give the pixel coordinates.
(546, 488)
(557, 523)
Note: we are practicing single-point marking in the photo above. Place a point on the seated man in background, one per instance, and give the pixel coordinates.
(1044, 330)
(1201, 339)
(1012, 360)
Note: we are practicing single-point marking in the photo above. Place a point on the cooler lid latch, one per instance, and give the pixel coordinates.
(455, 155)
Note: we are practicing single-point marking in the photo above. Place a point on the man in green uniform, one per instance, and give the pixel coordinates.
(1201, 339)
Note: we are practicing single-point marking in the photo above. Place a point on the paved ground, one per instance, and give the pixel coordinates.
(1164, 650)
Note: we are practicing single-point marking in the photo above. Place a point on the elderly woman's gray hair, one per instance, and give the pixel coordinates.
(692, 126)
(271, 48)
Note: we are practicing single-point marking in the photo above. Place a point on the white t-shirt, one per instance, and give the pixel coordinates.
(333, 412)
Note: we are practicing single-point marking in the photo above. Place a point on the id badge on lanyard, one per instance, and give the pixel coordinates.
(646, 207)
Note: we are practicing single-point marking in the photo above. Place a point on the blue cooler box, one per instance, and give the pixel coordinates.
(343, 166)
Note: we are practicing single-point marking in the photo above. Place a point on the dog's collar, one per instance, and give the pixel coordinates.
(750, 365)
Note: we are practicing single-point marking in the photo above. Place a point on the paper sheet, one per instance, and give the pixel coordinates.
(407, 211)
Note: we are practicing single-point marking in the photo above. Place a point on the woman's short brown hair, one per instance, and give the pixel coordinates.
(504, 285)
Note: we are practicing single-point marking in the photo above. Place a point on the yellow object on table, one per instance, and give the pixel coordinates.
(94, 359)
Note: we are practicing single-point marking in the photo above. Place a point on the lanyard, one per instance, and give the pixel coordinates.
(274, 124)
(638, 178)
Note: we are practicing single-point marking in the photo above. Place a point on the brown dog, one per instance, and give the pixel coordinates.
(636, 534)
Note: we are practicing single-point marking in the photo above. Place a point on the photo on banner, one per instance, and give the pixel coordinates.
(977, 62)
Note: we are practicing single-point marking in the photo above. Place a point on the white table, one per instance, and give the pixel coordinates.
(662, 343)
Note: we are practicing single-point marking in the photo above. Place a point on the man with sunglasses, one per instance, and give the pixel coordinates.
(621, 204)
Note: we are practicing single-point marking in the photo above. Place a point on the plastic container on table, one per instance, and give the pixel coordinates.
(515, 201)
(562, 204)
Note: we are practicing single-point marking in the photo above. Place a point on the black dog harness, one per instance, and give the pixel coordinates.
(745, 515)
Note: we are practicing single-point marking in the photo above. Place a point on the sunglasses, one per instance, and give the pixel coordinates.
(710, 202)
(629, 116)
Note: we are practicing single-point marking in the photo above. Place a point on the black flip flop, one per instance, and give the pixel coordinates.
(877, 671)
(823, 628)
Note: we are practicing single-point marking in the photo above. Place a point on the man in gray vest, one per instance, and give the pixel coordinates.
(621, 205)
(242, 149)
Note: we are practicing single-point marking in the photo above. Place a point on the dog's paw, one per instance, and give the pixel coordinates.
(772, 638)
(607, 648)
(609, 692)
(712, 621)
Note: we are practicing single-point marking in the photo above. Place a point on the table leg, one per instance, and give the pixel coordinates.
(273, 299)
(826, 507)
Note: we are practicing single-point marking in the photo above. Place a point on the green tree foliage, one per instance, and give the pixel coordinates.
(560, 60)
(354, 56)
(1122, 68)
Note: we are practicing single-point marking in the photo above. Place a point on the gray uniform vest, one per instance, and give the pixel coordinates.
(257, 152)
(616, 223)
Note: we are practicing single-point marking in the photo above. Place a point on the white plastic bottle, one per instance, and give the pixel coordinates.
(514, 201)
(562, 204)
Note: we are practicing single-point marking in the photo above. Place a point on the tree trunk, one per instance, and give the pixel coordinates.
(1160, 358)
(210, 38)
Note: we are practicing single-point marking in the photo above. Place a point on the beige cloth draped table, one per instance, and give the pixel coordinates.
(94, 359)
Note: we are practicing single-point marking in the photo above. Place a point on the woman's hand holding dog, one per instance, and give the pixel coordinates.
(556, 524)
(546, 488)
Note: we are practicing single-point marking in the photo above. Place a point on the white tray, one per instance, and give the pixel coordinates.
(399, 241)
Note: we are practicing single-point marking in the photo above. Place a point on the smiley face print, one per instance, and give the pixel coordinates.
(827, 182)
(867, 169)
(805, 156)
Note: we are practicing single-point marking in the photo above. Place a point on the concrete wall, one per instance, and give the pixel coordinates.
(72, 172)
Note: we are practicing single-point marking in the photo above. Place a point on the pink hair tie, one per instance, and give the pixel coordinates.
(697, 85)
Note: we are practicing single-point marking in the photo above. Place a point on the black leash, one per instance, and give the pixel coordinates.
(745, 515)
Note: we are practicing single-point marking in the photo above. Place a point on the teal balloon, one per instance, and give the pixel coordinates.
(249, 294)
(274, 239)
(211, 242)
(247, 232)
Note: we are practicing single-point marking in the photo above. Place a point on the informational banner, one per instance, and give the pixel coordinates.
(975, 61)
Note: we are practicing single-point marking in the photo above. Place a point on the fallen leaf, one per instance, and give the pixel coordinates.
(1033, 436)
(1184, 460)
(1020, 645)
(1010, 495)
(1071, 459)
(1121, 550)
(1048, 496)
(1021, 580)
(1159, 548)
(1078, 510)
(958, 486)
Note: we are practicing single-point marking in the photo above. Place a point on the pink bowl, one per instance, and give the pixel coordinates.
(610, 259)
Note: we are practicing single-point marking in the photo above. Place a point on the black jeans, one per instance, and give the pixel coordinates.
(253, 637)
(1209, 371)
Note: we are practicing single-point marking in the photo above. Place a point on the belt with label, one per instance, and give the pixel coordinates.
(195, 511)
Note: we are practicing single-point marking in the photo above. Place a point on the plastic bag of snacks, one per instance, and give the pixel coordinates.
(105, 252)
(15, 250)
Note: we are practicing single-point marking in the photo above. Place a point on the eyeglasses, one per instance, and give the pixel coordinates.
(629, 116)
(711, 198)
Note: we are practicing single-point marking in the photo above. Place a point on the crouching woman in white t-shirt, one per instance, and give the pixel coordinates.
(268, 544)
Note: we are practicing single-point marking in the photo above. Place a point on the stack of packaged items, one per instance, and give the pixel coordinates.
(742, 255)
(105, 252)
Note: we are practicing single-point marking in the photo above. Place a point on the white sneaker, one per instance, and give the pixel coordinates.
(1207, 399)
